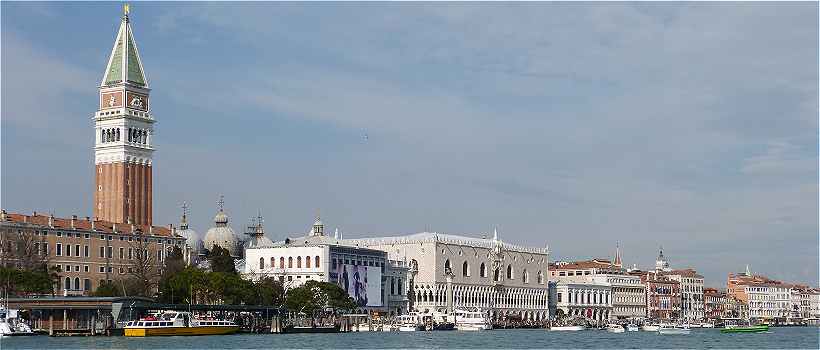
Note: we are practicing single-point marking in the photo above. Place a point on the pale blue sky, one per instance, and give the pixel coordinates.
(692, 126)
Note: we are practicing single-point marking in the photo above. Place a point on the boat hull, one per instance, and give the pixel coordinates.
(175, 331)
(673, 331)
(567, 328)
(651, 328)
(753, 329)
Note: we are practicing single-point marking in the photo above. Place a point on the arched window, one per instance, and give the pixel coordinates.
(298, 262)
(76, 283)
(282, 262)
(509, 272)
(307, 261)
(447, 268)
(465, 269)
(483, 270)
(540, 277)
(290, 262)
(261, 263)
(525, 276)
(316, 261)
(67, 283)
(272, 262)
(497, 275)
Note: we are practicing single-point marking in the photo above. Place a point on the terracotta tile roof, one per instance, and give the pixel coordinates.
(683, 272)
(584, 264)
(85, 224)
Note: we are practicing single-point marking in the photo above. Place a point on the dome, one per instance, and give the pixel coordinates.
(221, 234)
(258, 241)
(191, 239)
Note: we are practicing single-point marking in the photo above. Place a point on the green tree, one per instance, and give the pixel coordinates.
(221, 260)
(106, 289)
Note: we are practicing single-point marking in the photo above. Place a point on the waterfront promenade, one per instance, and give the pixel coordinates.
(777, 338)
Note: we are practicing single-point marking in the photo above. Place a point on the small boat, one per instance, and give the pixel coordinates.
(471, 321)
(386, 327)
(707, 325)
(178, 323)
(408, 323)
(677, 330)
(615, 328)
(632, 328)
(650, 327)
(745, 329)
(11, 325)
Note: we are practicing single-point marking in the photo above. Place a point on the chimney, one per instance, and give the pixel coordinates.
(73, 221)
(92, 224)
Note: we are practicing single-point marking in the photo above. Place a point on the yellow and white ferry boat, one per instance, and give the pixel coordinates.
(178, 323)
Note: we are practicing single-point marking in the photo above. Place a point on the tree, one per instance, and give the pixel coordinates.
(221, 260)
(106, 289)
(316, 296)
(143, 268)
(171, 289)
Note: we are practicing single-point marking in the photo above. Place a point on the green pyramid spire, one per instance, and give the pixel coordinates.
(124, 65)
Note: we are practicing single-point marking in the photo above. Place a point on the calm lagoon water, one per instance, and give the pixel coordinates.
(777, 338)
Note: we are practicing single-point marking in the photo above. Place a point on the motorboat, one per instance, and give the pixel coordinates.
(471, 321)
(408, 323)
(363, 327)
(745, 329)
(615, 328)
(178, 323)
(632, 328)
(707, 325)
(676, 330)
(11, 325)
(650, 327)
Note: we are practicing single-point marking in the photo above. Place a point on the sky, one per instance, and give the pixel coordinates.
(692, 126)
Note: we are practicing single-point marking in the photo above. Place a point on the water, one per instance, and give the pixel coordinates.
(779, 338)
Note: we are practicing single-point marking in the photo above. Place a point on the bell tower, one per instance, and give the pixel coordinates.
(123, 135)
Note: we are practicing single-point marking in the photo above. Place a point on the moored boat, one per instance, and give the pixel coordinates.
(650, 327)
(178, 323)
(615, 328)
(408, 323)
(471, 321)
(678, 330)
(745, 329)
(632, 328)
(707, 325)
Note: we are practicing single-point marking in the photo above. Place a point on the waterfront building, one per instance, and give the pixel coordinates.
(222, 234)
(85, 252)
(124, 136)
(588, 296)
(735, 308)
(814, 306)
(663, 296)
(503, 280)
(691, 288)
(714, 304)
(767, 299)
(628, 293)
(661, 264)
(376, 283)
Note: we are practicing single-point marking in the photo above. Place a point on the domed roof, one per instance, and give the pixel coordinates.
(191, 239)
(221, 234)
(224, 237)
(258, 241)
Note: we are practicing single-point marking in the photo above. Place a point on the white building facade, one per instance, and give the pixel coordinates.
(768, 301)
(585, 296)
(505, 281)
(691, 290)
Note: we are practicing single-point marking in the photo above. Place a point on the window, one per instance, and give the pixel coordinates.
(59, 249)
(509, 272)
(122, 271)
(130, 253)
(482, 270)
(447, 268)
(261, 263)
(86, 252)
(76, 268)
(67, 283)
(77, 250)
(87, 236)
(307, 261)
(45, 248)
(102, 252)
(102, 269)
(122, 253)
(540, 277)
(465, 269)
(59, 267)
(290, 262)
(86, 284)
(282, 262)
(37, 249)
(76, 283)
(559, 297)
(85, 268)
(525, 276)
(110, 252)
(316, 262)
(298, 262)
(272, 262)
(59, 234)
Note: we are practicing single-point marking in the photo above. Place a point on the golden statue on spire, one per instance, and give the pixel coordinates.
(125, 9)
